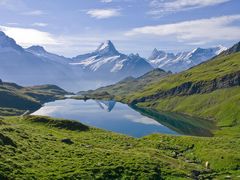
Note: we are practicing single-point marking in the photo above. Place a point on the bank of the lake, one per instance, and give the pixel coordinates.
(121, 118)
(34, 147)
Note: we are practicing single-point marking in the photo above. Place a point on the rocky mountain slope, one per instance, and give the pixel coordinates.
(106, 61)
(34, 66)
(23, 67)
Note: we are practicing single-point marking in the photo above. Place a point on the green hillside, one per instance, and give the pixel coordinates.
(15, 99)
(35, 147)
(129, 84)
(206, 75)
(210, 91)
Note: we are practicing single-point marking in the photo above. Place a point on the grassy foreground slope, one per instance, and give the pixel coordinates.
(34, 147)
(15, 99)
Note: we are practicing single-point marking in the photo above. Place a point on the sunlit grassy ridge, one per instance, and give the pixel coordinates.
(15, 99)
(36, 148)
(221, 106)
(208, 71)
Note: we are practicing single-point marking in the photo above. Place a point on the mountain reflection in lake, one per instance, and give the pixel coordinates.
(109, 115)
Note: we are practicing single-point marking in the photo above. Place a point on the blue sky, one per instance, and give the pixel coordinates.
(73, 27)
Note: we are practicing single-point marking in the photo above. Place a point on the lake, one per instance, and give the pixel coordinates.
(118, 117)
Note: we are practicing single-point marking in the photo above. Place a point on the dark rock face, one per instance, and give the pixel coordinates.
(190, 88)
(67, 141)
(1, 83)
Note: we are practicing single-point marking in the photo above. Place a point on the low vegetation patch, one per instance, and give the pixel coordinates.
(62, 124)
(34, 147)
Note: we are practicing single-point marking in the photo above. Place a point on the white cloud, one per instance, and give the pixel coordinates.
(106, 1)
(34, 13)
(161, 7)
(216, 28)
(141, 120)
(28, 37)
(64, 44)
(40, 24)
(103, 13)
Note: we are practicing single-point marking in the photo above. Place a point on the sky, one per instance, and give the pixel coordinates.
(73, 27)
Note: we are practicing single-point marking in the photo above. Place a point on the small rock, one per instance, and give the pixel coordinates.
(195, 174)
(67, 141)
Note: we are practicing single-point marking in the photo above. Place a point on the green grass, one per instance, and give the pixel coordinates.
(129, 84)
(221, 106)
(15, 100)
(204, 72)
(32, 148)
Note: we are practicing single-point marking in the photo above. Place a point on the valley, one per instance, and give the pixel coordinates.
(164, 125)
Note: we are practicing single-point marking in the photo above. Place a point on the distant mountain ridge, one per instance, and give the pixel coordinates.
(104, 66)
(35, 65)
(106, 59)
(41, 52)
(183, 60)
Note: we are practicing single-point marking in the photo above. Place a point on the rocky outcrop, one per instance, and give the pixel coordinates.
(190, 88)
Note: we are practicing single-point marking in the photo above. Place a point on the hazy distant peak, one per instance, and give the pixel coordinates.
(7, 42)
(36, 49)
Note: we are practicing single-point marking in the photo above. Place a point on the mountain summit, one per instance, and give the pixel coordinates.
(42, 53)
(8, 43)
(182, 60)
(107, 62)
(107, 48)
(36, 49)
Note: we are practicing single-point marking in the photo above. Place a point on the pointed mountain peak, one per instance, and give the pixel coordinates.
(155, 50)
(157, 54)
(107, 48)
(7, 42)
(36, 49)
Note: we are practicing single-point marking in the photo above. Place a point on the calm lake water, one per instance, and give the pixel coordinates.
(121, 118)
(109, 115)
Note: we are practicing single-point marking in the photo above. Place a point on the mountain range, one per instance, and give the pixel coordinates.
(34, 65)
(107, 60)
(105, 65)
(183, 60)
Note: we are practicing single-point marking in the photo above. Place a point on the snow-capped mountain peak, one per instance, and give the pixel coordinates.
(106, 60)
(183, 60)
(220, 49)
(107, 47)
